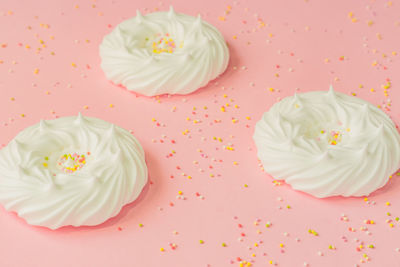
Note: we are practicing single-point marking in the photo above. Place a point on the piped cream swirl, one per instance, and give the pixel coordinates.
(328, 144)
(71, 171)
(163, 53)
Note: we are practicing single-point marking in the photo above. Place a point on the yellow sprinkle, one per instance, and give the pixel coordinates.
(248, 118)
(313, 232)
(372, 90)
(23, 115)
(45, 164)
(350, 15)
(281, 245)
(387, 203)
(180, 193)
(111, 105)
(224, 244)
(162, 249)
(354, 20)
(73, 64)
(245, 185)
(201, 241)
(36, 71)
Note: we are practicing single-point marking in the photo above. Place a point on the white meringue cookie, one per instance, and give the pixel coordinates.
(71, 171)
(328, 144)
(163, 53)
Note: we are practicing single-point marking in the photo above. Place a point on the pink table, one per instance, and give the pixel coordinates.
(50, 67)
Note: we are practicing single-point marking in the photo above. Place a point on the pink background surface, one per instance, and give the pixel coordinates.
(286, 45)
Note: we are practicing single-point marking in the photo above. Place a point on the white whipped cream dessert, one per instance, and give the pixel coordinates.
(71, 171)
(328, 144)
(163, 53)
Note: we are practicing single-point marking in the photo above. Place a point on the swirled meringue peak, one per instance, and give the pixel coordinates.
(71, 171)
(163, 53)
(328, 144)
